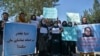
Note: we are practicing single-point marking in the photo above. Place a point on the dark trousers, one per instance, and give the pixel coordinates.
(65, 48)
(56, 44)
(1, 37)
(43, 39)
(68, 47)
(73, 46)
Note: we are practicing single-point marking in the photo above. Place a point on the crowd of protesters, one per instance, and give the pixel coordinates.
(49, 40)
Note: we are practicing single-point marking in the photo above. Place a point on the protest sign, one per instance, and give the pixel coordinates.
(88, 38)
(50, 13)
(19, 39)
(73, 17)
(69, 34)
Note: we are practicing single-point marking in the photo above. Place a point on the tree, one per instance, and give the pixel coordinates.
(93, 14)
(96, 8)
(27, 6)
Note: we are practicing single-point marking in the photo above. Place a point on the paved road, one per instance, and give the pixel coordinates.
(96, 53)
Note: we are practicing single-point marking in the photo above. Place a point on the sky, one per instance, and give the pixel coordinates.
(75, 6)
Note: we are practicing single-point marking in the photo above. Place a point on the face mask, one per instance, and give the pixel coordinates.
(5, 19)
(59, 24)
(33, 18)
(55, 25)
(43, 22)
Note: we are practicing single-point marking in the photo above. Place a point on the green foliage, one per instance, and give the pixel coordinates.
(27, 6)
(93, 15)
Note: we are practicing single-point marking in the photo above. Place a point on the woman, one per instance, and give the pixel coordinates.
(71, 45)
(84, 21)
(56, 39)
(64, 24)
(88, 32)
(65, 46)
(59, 23)
(2, 23)
(35, 22)
(43, 37)
(22, 19)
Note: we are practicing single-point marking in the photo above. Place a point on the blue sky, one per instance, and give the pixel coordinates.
(76, 6)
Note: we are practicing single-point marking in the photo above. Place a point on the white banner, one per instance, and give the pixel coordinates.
(50, 13)
(73, 17)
